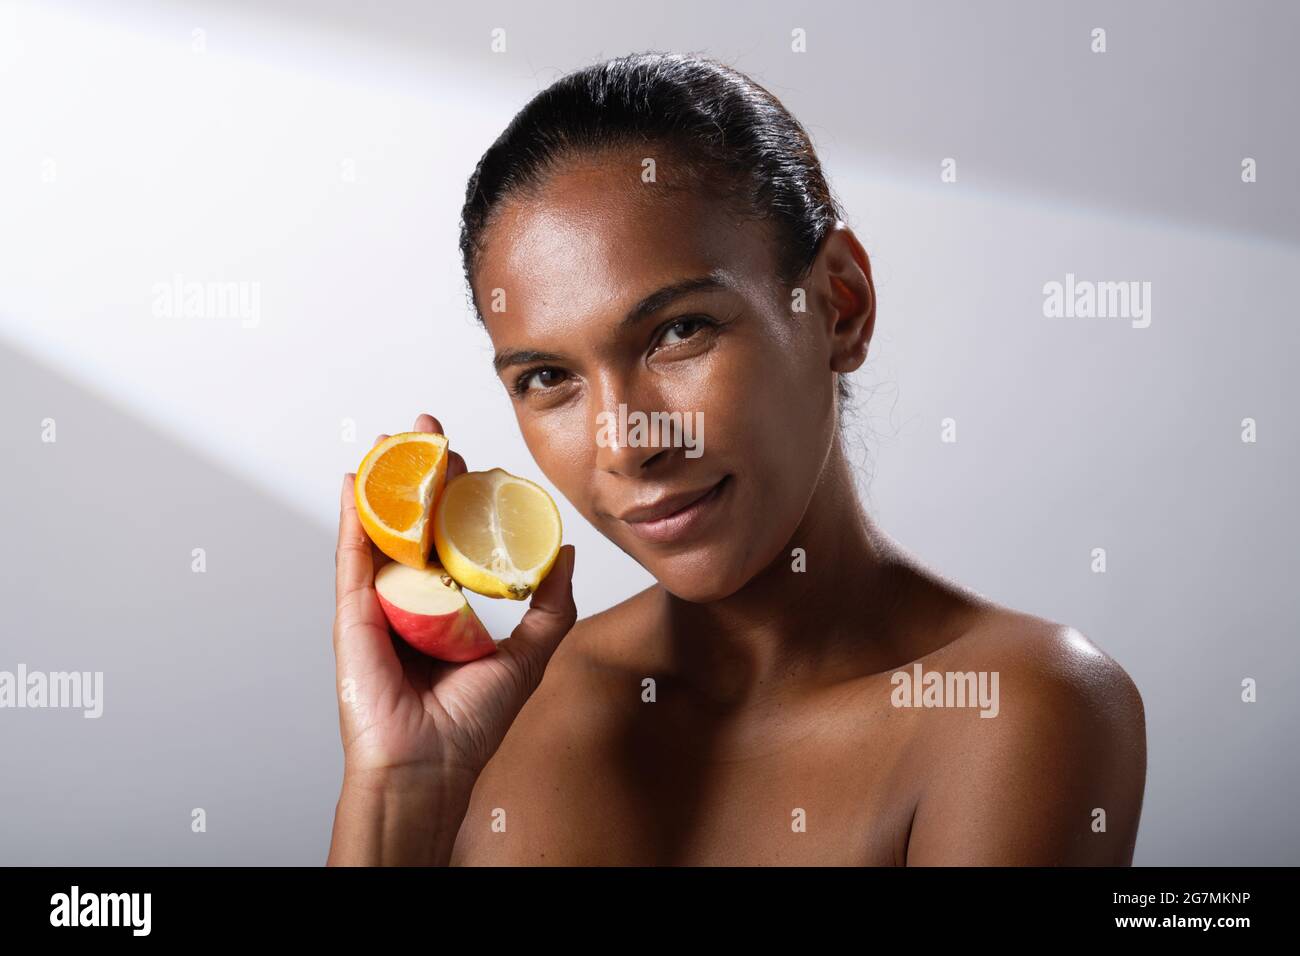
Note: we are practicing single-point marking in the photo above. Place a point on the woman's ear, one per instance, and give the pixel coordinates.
(849, 297)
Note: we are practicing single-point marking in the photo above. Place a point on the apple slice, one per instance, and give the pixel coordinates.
(428, 610)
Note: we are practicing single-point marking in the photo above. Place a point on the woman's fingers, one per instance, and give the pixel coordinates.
(550, 616)
(424, 422)
(455, 465)
(353, 559)
(361, 635)
(365, 662)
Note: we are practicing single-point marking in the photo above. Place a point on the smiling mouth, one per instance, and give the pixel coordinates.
(671, 527)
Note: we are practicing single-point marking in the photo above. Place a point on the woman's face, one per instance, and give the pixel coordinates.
(601, 292)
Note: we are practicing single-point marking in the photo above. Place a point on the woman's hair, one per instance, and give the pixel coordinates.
(727, 135)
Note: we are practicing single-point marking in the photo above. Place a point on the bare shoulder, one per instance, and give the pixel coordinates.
(607, 640)
(1057, 776)
(1044, 665)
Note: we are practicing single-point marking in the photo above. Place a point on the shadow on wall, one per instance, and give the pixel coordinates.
(217, 686)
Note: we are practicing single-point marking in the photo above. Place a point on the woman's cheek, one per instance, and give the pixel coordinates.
(562, 444)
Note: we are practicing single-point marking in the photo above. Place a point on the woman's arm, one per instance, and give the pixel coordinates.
(417, 732)
(398, 818)
(1055, 779)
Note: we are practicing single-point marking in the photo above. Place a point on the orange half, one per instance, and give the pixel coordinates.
(398, 484)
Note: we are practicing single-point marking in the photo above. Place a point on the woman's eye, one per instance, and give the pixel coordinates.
(683, 329)
(546, 378)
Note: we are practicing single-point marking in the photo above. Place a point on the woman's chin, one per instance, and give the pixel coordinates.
(698, 587)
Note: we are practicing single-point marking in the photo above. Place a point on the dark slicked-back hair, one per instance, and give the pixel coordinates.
(726, 135)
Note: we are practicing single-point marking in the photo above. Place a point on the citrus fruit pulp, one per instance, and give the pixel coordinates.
(496, 534)
(397, 487)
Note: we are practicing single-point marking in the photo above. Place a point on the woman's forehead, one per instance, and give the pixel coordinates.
(591, 241)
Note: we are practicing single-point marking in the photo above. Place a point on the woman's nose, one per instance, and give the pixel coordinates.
(630, 439)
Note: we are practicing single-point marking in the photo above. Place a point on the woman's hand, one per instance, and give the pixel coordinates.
(416, 731)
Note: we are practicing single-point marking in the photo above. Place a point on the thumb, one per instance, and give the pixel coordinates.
(550, 615)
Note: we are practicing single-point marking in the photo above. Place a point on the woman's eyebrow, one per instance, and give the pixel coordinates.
(652, 303)
(510, 357)
(664, 297)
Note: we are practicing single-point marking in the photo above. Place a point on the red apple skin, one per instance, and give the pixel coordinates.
(457, 636)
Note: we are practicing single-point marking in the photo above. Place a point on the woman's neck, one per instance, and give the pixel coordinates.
(807, 618)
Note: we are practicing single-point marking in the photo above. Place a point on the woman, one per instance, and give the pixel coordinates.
(656, 233)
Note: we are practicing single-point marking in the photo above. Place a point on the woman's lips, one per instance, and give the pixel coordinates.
(681, 522)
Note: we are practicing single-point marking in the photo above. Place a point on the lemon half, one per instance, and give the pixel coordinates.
(496, 534)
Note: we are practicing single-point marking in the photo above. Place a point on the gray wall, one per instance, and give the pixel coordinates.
(321, 153)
